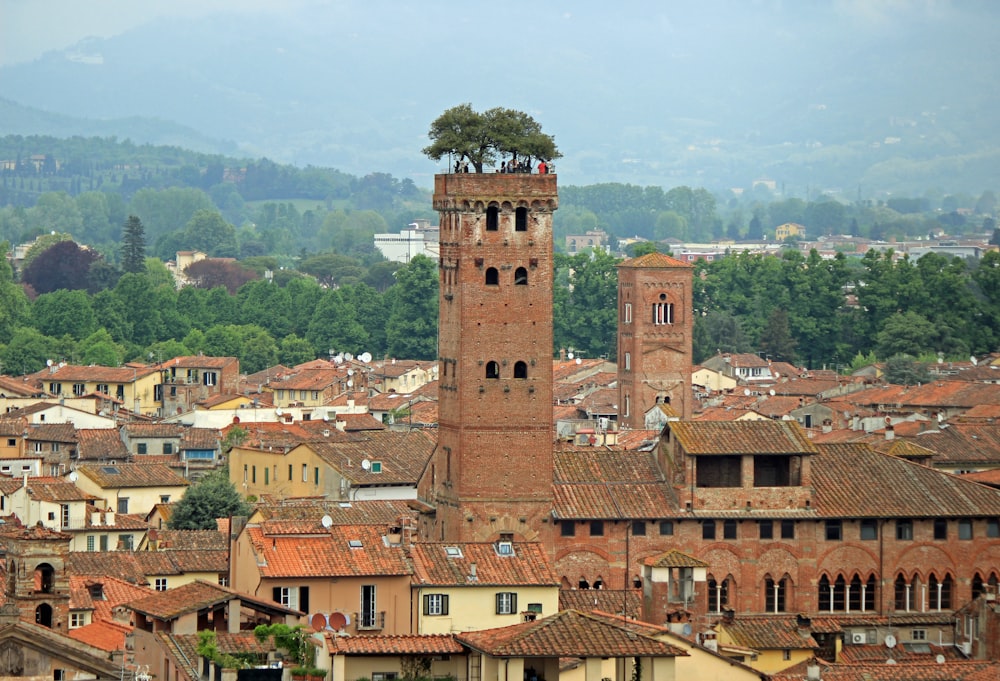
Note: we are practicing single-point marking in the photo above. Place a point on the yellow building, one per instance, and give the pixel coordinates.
(131, 487)
(778, 641)
(782, 232)
(136, 387)
(480, 585)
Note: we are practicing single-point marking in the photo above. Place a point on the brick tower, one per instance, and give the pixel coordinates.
(491, 474)
(37, 578)
(655, 324)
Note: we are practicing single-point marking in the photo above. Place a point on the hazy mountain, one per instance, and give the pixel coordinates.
(882, 96)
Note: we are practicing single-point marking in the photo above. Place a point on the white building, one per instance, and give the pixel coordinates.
(419, 238)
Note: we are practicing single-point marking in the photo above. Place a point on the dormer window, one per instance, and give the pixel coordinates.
(505, 548)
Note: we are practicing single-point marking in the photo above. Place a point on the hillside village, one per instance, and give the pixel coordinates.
(498, 514)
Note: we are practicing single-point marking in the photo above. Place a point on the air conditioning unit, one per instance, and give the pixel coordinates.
(858, 638)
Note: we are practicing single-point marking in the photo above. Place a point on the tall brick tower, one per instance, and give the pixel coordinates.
(655, 324)
(491, 473)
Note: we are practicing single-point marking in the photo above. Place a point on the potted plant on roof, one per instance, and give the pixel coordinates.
(295, 643)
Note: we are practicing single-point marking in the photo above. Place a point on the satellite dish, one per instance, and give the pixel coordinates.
(73, 477)
(350, 384)
(771, 392)
(890, 641)
(888, 420)
(686, 629)
(776, 374)
(338, 620)
(579, 361)
(327, 521)
(746, 392)
(366, 464)
(48, 362)
(365, 357)
(318, 621)
(890, 661)
(278, 411)
(568, 354)
(975, 362)
(939, 659)
(350, 372)
(348, 356)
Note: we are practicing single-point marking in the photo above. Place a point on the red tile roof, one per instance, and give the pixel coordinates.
(414, 644)
(331, 555)
(450, 564)
(602, 600)
(741, 437)
(108, 636)
(968, 670)
(769, 632)
(132, 475)
(100, 444)
(655, 260)
(569, 633)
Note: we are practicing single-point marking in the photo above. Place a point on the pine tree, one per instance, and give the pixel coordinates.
(134, 246)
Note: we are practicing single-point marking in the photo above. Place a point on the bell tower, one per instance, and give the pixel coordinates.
(655, 326)
(491, 473)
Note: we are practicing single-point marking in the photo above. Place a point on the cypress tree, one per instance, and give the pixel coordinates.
(134, 246)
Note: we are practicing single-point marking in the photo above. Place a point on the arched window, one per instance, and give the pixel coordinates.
(520, 370)
(492, 219)
(830, 595)
(583, 584)
(492, 370)
(903, 599)
(856, 592)
(598, 583)
(43, 615)
(774, 595)
(521, 220)
(492, 276)
(979, 585)
(45, 578)
(521, 276)
(718, 594)
(939, 592)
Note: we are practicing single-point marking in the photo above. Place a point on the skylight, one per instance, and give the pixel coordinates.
(354, 543)
(453, 552)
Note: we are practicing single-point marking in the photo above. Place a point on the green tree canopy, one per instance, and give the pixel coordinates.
(133, 245)
(480, 138)
(214, 496)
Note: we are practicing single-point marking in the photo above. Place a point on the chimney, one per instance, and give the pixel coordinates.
(728, 616)
(472, 572)
(890, 432)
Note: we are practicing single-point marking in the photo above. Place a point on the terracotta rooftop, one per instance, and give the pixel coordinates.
(598, 483)
(967, 670)
(132, 475)
(108, 636)
(769, 632)
(414, 644)
(444, 564)
(741, 437)
(153, 430)
(345, 551)
(113, 592)
(569, 633)
(674, 558)
(655, 260)
(96, 444)
(198, 362)
(603, 600)
(402, 454)
(307, 512)
(203, 540)
(892, 487)
(51, 432)
(73, 372)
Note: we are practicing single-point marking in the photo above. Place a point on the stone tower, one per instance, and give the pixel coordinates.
(37, 579)
(490, 476)
(655, 324)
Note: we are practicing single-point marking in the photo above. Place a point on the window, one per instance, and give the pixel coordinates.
(316, 475)
(708, 529)
(492, 369)
(11, 442)
(267, 476)
(788, 529)
(79, 389)
(765, 529)
(140, 448)
(774, 595)
(596, 528)
(663, 313)
(64, 513)
(904, 530)
(492, 276)
(993, 527)
(90, 542)
(520, 277)
(520, 370)
(305, 473)
(729, 529)
(918, 635)
(628, 361)
(521, 220)
(492, 219)
(102, 388)
(38, 446)
(567, 528)
(368, 618)
(291, 472)
(253, 474)
(506, 603)
(834, 530)
(638, 528)
(104, 542)
(718, 594)
(126, 542)
(209, 378)
(54, 447)
(940, 528)
(168, 447)
(315, 394)
(786, 654)
(869, 529)
(666, 528)
(160, 584)
(77, 619)
(164, 498)
(965, 529)
(385, 676)
(627, 314)
(123, 504)
(436, 604)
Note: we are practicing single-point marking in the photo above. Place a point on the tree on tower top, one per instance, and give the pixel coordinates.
(484, 138)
